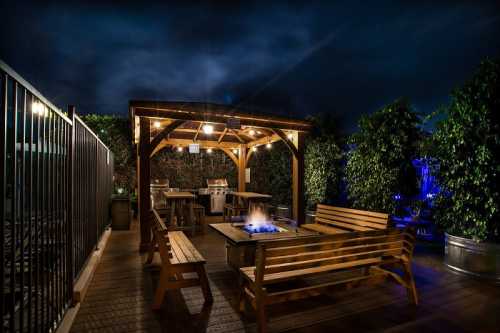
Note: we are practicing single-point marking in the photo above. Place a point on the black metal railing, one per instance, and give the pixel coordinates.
(56, 180)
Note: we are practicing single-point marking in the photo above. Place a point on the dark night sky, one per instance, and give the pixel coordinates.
(343, 58)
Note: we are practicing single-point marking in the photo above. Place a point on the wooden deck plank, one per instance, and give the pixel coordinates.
(120, 297)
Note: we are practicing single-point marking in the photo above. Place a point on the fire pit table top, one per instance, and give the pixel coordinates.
(235, 233)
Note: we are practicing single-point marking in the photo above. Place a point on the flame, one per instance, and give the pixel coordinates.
(258, 221)
(257, 216)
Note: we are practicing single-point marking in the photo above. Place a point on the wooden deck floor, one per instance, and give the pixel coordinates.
(120, 296)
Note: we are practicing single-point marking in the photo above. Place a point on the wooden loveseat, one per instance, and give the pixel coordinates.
(365, 254)
(333, 220)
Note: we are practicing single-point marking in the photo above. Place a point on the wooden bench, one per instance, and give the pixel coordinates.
(363, 255)
(178, 256)
(334, 220)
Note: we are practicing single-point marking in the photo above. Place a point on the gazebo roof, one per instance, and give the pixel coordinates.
(232, 126)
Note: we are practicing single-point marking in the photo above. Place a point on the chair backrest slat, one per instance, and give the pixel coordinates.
(350, 219)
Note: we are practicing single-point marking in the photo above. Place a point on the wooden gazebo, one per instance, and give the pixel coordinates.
(238, 133)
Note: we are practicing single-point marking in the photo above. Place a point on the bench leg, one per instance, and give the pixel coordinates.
(205, 285)
(261, 317)
(151, 252)
(241, 296)
(162, 289)
(411, 289)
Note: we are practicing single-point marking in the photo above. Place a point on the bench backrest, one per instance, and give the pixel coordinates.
(350, 219)
(160, 236)
(324, 253)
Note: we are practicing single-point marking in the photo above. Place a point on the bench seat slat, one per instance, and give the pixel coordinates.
(184, 249)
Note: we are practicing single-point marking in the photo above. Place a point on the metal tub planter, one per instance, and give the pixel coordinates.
(480, 259)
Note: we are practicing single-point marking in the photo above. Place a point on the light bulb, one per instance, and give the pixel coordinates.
(208, 129)
(254, 148)
(251, 132)
(157, 124)
(235, 151)
(179, 149)
(268, 145)
(290, 136)
(209, 150)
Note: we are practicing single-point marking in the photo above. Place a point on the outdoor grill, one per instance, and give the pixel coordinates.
(217, 189)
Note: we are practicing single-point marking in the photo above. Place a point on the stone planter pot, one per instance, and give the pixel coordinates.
(310, 216)
(479, 259)
(120, 214)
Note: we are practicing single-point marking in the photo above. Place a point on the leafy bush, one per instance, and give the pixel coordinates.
(116, 134)
(271, 172)
(379, 163)
(467, 144)
(322, 170)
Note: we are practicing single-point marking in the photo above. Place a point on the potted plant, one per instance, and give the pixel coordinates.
(120, 209)
(467, 143)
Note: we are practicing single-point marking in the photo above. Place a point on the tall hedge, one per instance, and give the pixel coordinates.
(379, 164)
(322, 170)
(467, 143)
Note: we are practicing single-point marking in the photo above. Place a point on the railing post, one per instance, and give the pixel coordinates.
(71, 154)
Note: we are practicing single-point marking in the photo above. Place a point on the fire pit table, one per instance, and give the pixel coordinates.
(242, 238)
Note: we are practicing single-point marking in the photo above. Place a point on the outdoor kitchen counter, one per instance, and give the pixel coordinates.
(240, 245)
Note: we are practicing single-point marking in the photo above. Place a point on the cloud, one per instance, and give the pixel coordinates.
(345, 58)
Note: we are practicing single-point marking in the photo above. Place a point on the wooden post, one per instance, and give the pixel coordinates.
(143, 167)
(242, 158)
(298, 203)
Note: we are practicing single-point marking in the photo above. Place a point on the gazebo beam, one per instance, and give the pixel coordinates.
(298, 202)
(262, 141)
(242, 164)
(214, 117)
(163, 134)
(287, 141)
(202, 143)
(144, 179)
(229, 153)
(222, 135)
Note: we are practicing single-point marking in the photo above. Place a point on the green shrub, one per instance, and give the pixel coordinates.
(467, 143)
(116, 134)
(322, 170)
(379, 163)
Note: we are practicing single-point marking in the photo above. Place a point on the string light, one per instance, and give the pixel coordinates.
(157, 124)
(290, 136)
(179, 149)
(208, 129)
(209, 150)
(268, 145)
(254, 148)
(251, 132)
(235, 151)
